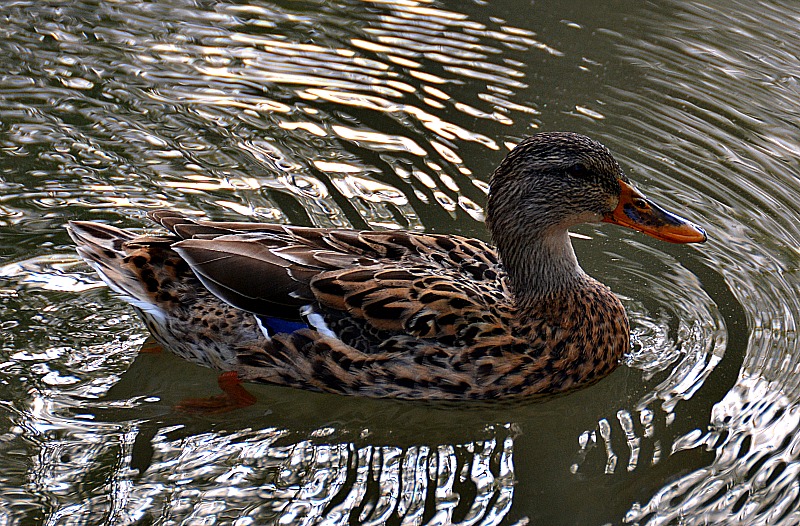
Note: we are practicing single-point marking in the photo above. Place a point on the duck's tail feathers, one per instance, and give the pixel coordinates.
(105, 249)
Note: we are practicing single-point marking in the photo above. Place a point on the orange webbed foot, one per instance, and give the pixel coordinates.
(150, 346)
(233, 396)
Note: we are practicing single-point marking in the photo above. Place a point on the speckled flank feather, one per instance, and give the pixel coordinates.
(391, 314)
(484, 360)
(181, 314)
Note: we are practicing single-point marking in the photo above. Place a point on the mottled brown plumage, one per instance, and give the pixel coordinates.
(398, 314)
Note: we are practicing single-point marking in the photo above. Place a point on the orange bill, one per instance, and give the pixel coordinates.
(639, 213)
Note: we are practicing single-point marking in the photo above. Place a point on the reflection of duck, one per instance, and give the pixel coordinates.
(398, 314)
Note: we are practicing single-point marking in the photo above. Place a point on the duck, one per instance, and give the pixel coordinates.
(396, 314)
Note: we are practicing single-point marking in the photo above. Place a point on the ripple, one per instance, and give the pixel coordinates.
(256, 477)
(727, 125)
(240, 71)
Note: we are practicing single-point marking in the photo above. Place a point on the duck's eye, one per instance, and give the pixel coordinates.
(578, 170)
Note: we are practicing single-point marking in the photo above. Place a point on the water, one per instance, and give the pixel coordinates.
(392, 114)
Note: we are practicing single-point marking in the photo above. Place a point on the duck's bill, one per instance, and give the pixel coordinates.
(639, 213)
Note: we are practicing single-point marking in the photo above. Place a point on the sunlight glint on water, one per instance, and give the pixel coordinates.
(296, 484)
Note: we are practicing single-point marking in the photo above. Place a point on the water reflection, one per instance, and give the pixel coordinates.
(256, 477)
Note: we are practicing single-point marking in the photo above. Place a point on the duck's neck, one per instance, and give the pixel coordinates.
(542, 268)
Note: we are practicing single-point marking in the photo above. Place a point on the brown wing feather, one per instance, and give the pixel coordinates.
(245, 274)
(188, 228)
(402, 283)
(424, 303)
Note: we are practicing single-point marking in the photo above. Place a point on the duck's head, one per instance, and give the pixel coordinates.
(552, 181)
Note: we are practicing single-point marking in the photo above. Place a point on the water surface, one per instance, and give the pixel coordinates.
(392, 114)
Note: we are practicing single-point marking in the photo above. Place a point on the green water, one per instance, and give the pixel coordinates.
(384, 115)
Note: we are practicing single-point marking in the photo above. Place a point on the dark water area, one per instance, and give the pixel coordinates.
(392, 114)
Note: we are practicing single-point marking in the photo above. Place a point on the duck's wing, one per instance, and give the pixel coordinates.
(381, 283)
(188, 228)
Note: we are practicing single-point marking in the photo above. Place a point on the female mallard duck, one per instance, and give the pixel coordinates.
(397, 314)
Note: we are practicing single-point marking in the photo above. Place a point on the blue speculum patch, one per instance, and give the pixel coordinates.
(277, 325)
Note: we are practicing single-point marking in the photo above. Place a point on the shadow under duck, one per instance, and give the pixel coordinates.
(397, 314)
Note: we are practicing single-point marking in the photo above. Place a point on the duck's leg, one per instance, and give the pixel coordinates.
(233, 396)
(151, 346)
